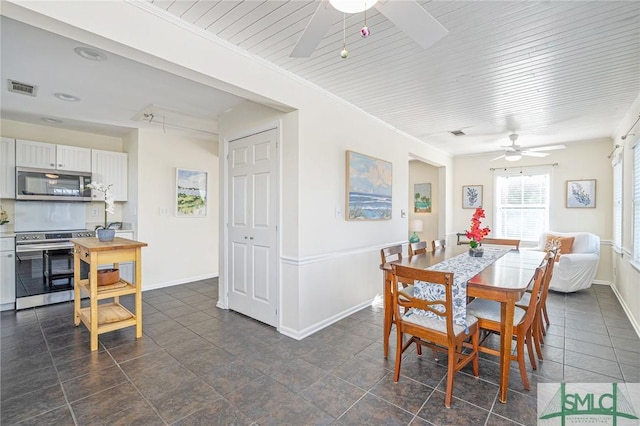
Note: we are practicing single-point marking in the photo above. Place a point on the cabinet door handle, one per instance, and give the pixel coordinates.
(251, 238)
(9, 255)
(52, 164)
(59, 165)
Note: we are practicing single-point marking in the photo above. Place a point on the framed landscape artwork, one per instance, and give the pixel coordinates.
(581, 193)
(368, 188)
(191, 193)
(471, 196)
(422, 198)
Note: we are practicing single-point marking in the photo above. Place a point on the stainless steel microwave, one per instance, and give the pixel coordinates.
(52, 185)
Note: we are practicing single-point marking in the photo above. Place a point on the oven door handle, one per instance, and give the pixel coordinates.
(32, 248)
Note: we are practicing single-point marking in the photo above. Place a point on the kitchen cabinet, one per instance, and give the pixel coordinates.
(73, 158)
(109, 167)
(42, 155)
(7, 168)
(7, 273)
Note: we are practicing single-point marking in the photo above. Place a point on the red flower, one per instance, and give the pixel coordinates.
(475, 233)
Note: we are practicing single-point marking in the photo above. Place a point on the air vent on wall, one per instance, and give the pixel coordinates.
(22, 88)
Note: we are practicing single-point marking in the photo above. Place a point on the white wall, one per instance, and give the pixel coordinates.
(582, 160)
(180, 249)
(627, 276)
(420, 172)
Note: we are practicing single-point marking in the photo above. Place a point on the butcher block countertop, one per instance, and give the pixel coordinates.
(118, 243)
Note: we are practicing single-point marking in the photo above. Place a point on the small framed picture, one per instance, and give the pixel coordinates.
(581, 193)
(191, 193)
(471, 196)
(422, 198)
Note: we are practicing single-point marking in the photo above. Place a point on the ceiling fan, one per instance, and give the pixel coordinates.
(407, 15)
(514, 152)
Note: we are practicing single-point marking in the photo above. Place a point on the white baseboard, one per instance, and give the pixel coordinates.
(299, 335)
(632, 320)
(177, 282)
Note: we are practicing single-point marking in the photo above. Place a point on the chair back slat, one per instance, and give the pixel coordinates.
(390, 254)
(502, 242)
(417, 248)
(437, 244)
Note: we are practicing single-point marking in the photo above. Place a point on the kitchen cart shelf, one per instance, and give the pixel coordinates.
(104, 317)
(121, 288)
(111, 316)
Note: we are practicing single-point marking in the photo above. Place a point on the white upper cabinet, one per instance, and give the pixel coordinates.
(7, 168)
(43, 155)
(39, 155)
(73, 158)
(108, 167)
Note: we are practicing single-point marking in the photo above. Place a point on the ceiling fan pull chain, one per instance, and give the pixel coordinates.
(365, 31)
(344, 52)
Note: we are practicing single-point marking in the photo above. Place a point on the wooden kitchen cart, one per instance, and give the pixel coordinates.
(104, 317)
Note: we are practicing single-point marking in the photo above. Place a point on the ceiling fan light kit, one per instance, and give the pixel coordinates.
(512, 156)
(408, 15)
(352, 6)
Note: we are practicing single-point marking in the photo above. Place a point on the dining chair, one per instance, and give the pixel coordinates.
(488, 314)
(502, 242)
(438, 332)
(525, 302)
(417, 248)
(437, 244)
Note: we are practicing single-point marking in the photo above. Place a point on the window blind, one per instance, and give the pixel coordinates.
(617, 201)
(521, 203)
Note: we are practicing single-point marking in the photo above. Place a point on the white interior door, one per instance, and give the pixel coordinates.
(253, 185)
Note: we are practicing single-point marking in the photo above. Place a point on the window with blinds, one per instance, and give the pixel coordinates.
(617, 201)
(521, 202)
(636, 202)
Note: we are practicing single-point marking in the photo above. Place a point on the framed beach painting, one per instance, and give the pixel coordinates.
(368, 188)
(422, 198)
(581, 193)
(471, 196)
(191, 193)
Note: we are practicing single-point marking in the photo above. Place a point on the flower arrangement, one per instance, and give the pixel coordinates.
(108, 200)
(475, 234)
(4, 217)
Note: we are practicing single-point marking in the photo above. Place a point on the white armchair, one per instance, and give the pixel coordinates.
(576, 270)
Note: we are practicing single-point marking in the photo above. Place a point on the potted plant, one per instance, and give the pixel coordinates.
(103, 232)
(476, 234)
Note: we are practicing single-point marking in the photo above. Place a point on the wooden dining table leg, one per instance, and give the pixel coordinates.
(506, 332)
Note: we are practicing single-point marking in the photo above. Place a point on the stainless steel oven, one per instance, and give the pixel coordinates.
(44, 267)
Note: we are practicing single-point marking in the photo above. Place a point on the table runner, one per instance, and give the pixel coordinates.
(464, 267)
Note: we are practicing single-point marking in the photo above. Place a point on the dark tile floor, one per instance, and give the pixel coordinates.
(197, 364)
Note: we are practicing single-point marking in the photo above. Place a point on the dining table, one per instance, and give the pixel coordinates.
(505, 281)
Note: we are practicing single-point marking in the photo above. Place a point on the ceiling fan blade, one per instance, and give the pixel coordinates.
(499, 157)
(511, 147)
(413, 20)
(547, 148)
(324, 16)
(534, 154)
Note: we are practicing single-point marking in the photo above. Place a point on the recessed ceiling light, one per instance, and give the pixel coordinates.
(66, 97)
(51, 120)
(90, 54)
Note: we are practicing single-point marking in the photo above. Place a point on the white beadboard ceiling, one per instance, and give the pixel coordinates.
(552, 71)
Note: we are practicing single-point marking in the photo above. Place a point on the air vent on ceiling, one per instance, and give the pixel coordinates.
(457, 133)
(22, 88)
